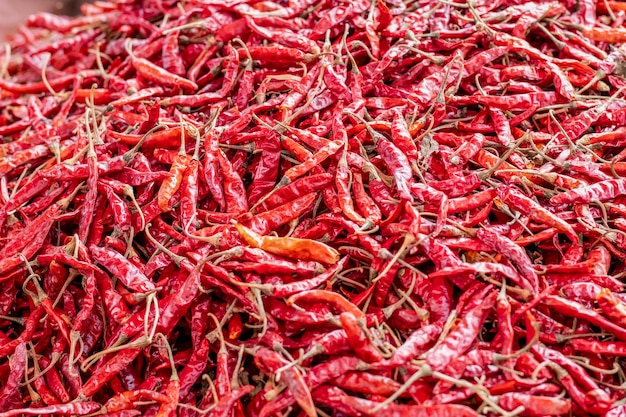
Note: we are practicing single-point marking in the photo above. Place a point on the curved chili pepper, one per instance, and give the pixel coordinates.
(169, 138)
(364, 202)
(462, 336)
(526, 206)
(576, 310)
(122, 268)
(120, 210)
(266, 170)
(514, 253)
(290, 247)
(598, 347)
(293, 378)
(77, 408)
(160, 75)
(602, 191)
(189, 196)
(234, 191)
(172, 184)
(535, 405)
(415, 344)
(328, 297)
(316, 159)
(126, 399)
(18, 367)
(367, 383)
(285, 290)
(612, 306)
(299, 188)
(168, 408)
(358, 339)
(271, 220)
(225, 405)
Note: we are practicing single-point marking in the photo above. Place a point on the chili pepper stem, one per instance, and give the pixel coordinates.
(31, 392)
(367, 228)
(526, 348)
(408, 239)
(266, 288)
(170, 355)
(234, 380)
(224, 255)
(44, 77)
(316, 350)
(212, 240)
(72, 274)
(141, 342)
(176, 258)
(38, 372)
(585, 363)
(149, 333)
(261, 309)
(488, 173)
(425, 371)
(206, 378)
(74, 356)
(389, 310)
(17, 320)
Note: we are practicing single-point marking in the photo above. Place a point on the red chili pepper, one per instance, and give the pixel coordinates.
(316, 159)
(327, 297)
(398, 165)
(462, 336)
(46, 395)
(364, 202)
(104, 373)
(160, 75)
(169, 138)
(612, 306)
(271, 220)
(299, 188)
(513, 252)
(126, 399)
(54, 380)
(225, 405)
(598, 347)
(290, 247)
(120, 210)
(518, 201)
(172, 184)
(234, 191)
(123, 269)
(602, 191)
(172, 60)
(535, 405)
(133, 98)
(211, 168)
(576, 310)
(77, 408)
(18, 368)
(266, 170)
(169, 407)
(285, 290)
(293, 378)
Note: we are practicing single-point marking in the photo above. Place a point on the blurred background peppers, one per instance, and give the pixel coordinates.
(15, 13)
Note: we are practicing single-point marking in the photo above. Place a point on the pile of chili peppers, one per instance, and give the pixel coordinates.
(300, 207)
